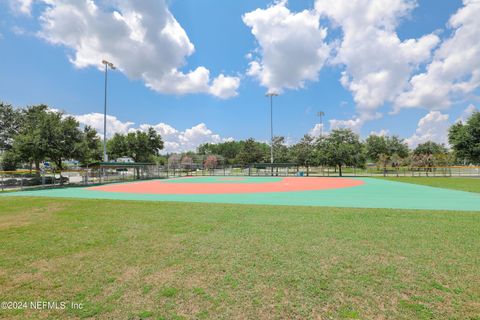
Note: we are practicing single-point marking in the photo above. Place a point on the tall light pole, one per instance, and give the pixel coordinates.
(321, 114)
(271, 95)
(111, 66)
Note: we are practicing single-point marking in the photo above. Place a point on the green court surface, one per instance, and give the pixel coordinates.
(374, 193)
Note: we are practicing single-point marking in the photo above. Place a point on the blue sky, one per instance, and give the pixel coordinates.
(302, 49)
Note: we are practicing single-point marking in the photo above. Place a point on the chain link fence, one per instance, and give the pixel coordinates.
(26, 179)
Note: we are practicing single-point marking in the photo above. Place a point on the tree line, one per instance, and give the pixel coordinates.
(36, 134)
(39, 134)
(342, 147)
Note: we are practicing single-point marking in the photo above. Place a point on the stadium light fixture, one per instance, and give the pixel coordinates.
(271, 95)
(111, 66)
(321, 114)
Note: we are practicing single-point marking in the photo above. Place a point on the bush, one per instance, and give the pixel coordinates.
(9, 161)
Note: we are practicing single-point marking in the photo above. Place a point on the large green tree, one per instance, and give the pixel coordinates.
(302, 152)
(465, 139)
(31, 144)
(430, 148)
(10, 122)
(386, 150)
(252, 152)
(117, 146)
(342, 147)
(280, 150)
(64, 137)
(45, 134)
(228, 150)
(141, 146)
(90, 148)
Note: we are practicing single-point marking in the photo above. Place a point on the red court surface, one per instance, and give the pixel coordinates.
(283, 185)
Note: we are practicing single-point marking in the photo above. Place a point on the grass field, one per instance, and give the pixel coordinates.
(463, 184)
(148, 260)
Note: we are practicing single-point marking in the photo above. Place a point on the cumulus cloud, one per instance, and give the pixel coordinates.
(432, 127)
(175, 140)
(377, 63)
(455, 69)
(95, 120)
(317, 130)
(142, 38)
(354, 124)
(381, 133)
(291, 44)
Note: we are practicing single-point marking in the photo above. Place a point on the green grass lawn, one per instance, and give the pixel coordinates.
(148, 260)
(464, 184)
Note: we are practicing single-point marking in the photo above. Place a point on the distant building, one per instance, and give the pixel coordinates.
(125, 160)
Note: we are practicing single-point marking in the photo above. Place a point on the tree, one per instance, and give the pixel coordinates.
(210, 162)
(174, 161)
(280, 150)
(430, 148)
(429, 155)
(187, 163)
(382, 150)
(10, 122)
(63, 136)
(340, 148)
(302, 152)
(160, 160)
(465, 139)
(252, 152)
(47, 134)
(9, 161)
(117, 146)
(228, 150)
(139, 145)
(31, 144)
(89, 149)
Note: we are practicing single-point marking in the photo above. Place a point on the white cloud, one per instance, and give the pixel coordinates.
(142, 38)
(455, 69)
(21, 6)
(381, 133)
(317, 130)
(354, 124)
(467, 113)
(432, 127)
(175, 140)
(377, 63)
(225, 87)
(291, 44)
(187, 140)
(95, 120)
